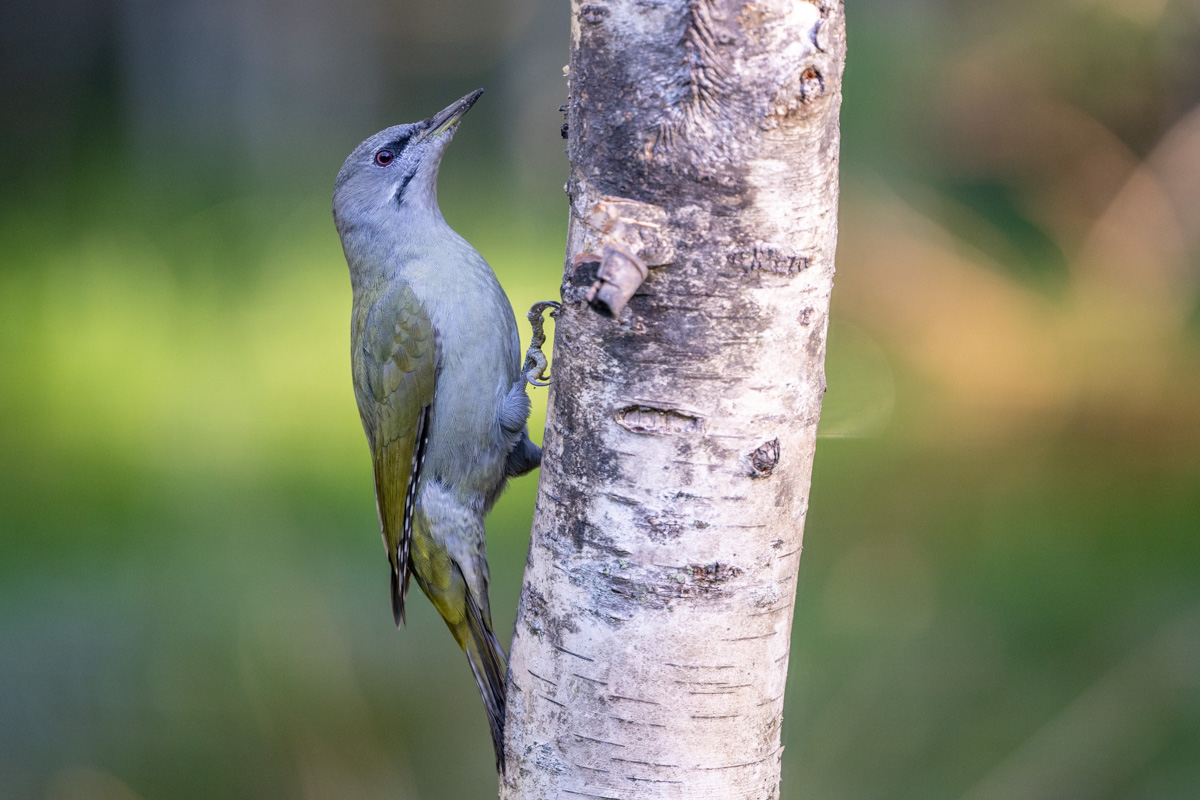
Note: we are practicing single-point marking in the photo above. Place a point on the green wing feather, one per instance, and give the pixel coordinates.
(396, 388)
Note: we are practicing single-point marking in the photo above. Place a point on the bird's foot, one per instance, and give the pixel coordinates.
(535, 365)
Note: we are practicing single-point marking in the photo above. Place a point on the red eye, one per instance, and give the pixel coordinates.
(384, 157)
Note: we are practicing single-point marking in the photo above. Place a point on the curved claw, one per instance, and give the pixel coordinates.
(535, 365)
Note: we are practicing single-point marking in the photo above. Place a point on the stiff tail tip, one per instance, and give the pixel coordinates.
(397, 599)
(490, 669)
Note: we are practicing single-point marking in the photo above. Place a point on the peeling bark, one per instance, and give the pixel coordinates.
(651, 646)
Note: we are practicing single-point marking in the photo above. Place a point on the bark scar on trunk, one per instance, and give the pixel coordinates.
(659, 421)
(694, 98)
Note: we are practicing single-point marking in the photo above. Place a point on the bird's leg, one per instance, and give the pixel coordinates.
(524, 458)
(534, 368)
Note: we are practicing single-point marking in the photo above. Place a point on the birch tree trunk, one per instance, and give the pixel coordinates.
(651, 644)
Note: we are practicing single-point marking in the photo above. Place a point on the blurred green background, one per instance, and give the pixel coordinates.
(1000, 593)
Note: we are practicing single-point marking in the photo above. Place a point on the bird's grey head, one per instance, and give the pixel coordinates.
(395, 171)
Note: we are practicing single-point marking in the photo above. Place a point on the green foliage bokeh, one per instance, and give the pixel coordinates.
(1000, 591)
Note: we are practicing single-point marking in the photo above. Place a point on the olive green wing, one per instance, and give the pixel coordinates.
(399, 358)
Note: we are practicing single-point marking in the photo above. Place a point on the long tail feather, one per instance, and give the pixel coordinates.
(490, 668)
(397, 596)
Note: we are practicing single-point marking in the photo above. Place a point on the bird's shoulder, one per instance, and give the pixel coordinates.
(399, 347)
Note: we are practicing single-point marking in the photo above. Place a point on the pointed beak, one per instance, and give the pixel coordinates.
(449, 116)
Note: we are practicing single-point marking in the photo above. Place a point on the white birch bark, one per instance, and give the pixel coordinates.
(651, 645)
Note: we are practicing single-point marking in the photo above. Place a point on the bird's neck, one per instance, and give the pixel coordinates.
(410, 232)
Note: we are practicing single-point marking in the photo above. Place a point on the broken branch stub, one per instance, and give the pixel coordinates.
(630, 237)
(621, 273)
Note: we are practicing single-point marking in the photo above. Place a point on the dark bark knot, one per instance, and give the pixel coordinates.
(797, 97)
(812, 85)
(764, 459)
(593, 14)
(658, 421)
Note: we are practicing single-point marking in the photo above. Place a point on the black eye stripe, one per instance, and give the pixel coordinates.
(394, 148)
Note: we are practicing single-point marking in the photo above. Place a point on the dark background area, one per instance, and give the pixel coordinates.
(1000, 592)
